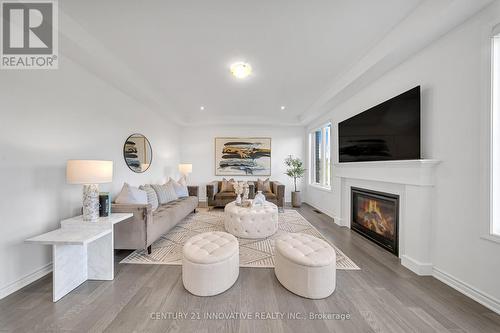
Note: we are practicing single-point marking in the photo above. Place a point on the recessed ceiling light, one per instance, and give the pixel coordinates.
(202, 108)
(241, 69)
(283, 107)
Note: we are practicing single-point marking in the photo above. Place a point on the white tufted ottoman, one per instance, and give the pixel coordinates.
(251, 222)
(305, 265)
(210, 263)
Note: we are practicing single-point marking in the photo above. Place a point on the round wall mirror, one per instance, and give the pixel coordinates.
(137, 153)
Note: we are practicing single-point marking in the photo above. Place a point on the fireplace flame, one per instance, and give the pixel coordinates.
(373, 218)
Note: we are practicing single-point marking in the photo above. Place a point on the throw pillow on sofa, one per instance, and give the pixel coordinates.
(152, 197)
(165, 193)
(171, 194)
(131, 195)
(180, 187)
(227, 185)
(264, 185)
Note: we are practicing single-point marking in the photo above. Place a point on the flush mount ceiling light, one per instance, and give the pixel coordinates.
(202, 108)
(283, 107)
(241, 69)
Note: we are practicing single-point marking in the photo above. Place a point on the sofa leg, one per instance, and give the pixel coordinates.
(194, 211)
(149, 249)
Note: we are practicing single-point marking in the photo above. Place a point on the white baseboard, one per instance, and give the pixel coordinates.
(482, 298)
(339, 221)
(416, 266)
(26, 280)
(323, 210)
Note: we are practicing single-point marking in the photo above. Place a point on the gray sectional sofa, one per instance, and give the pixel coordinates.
(147, 226)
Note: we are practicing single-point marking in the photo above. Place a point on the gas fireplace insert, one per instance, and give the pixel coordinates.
(375, 216)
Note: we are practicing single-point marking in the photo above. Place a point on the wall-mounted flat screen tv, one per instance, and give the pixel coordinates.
(388, 131)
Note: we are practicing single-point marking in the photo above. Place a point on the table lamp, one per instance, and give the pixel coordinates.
(185, 169)
(89, 173)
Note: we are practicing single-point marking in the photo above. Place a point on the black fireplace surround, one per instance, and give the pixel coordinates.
(375, 215)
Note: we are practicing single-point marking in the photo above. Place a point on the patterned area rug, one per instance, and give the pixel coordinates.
(253, 252)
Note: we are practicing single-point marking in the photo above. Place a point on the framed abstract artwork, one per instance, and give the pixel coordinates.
(242, 156)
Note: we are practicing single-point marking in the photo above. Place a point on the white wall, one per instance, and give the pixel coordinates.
(197, 147)
(47, 117)
(452, 74)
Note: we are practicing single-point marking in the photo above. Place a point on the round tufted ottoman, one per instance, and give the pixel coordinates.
(305, 265)
(210, 263)
(251, 222)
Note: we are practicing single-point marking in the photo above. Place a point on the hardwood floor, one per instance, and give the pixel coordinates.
(382, 297)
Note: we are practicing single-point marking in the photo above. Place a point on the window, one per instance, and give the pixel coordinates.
(320, 163)
(495, 136)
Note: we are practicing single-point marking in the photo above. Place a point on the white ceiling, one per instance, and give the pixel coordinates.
(176, 54)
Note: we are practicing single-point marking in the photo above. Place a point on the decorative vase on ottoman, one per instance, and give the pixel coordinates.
(239, 190)
(246, 190)
(259, 199)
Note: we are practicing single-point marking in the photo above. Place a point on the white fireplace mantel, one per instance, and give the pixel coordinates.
(413, 181)
(411, 172)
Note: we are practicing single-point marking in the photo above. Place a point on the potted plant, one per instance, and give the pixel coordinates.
(295, 169)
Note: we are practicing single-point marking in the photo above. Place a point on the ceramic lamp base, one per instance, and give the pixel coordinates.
(90, 202)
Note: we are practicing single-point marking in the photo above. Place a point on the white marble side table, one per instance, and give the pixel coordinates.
(81, 251)
(107, 221)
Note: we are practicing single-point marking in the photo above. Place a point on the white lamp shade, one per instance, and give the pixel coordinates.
(89, 172)
(185, 168)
